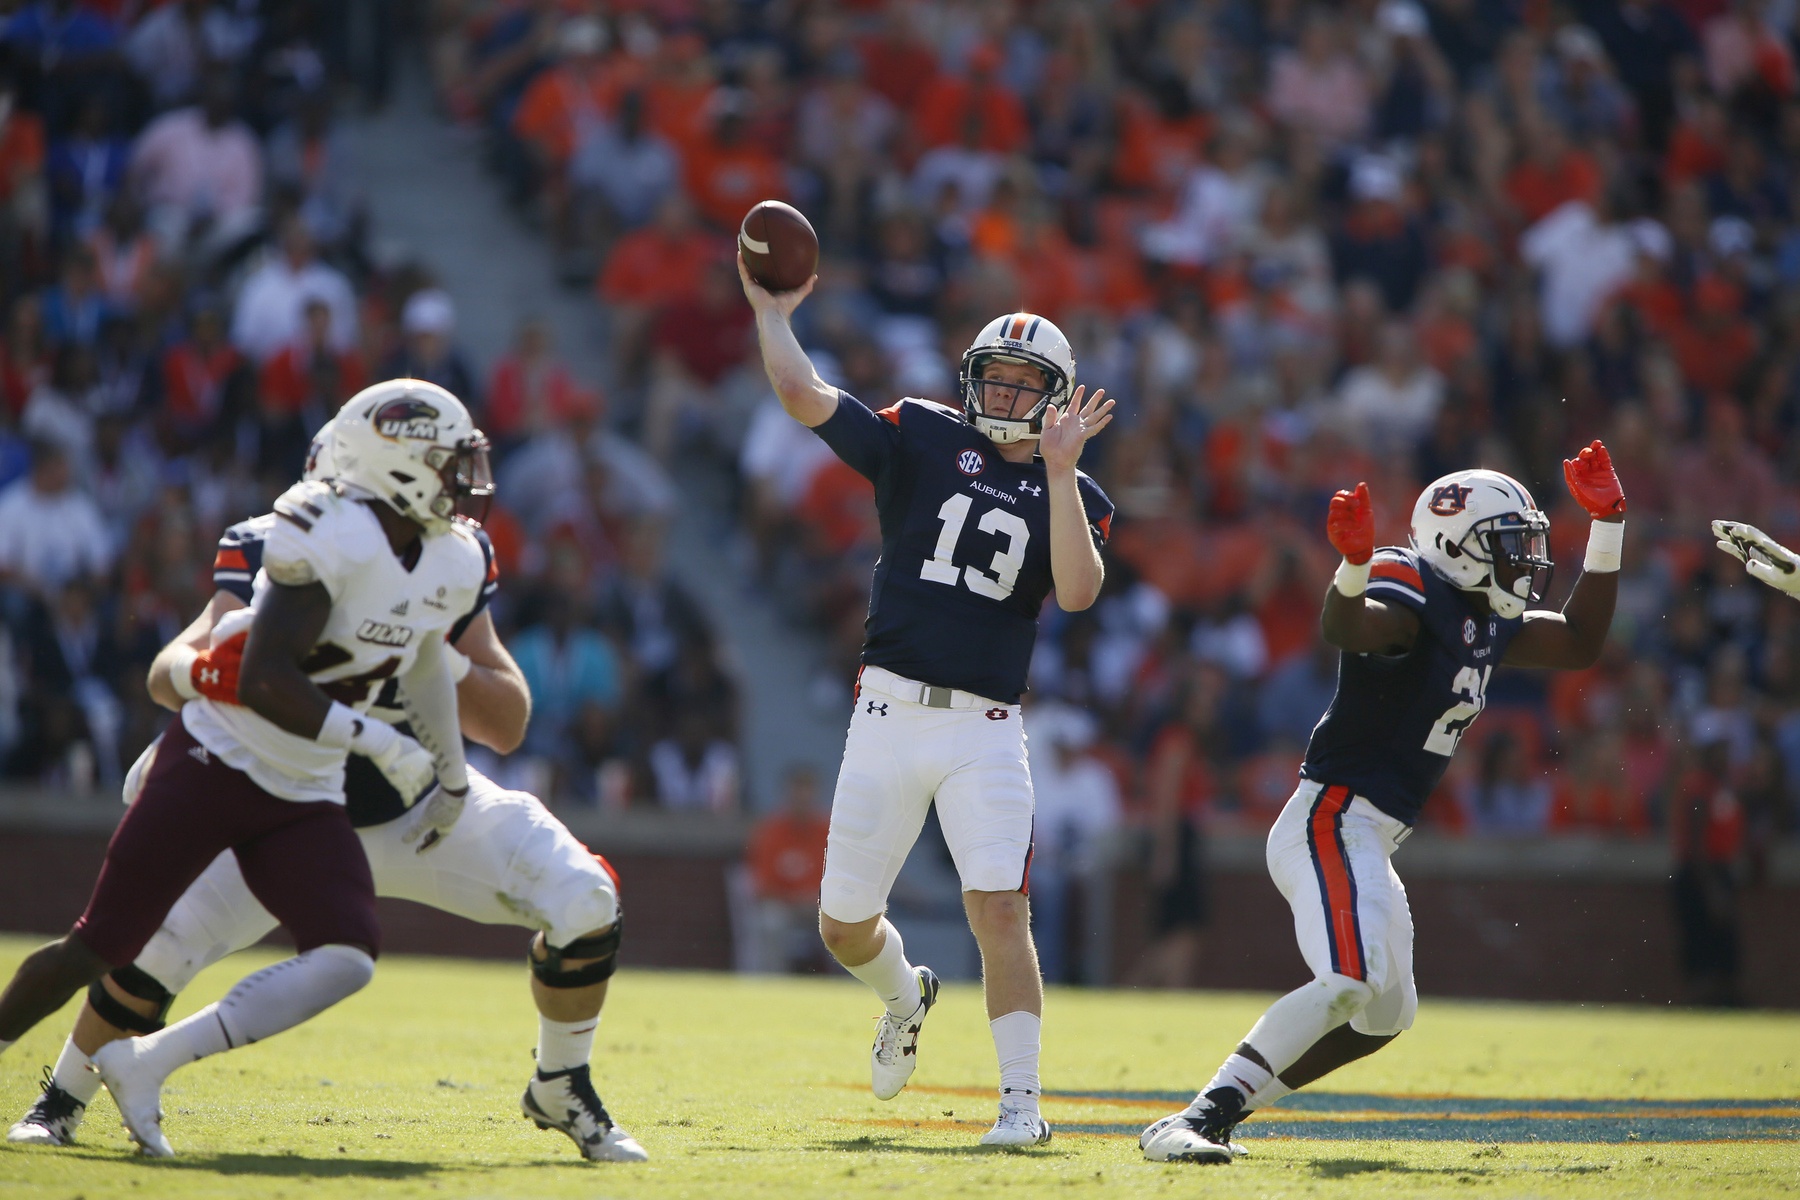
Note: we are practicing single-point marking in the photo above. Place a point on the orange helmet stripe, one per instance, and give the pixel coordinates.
(1017, 332)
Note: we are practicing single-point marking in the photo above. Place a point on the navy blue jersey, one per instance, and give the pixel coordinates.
(1395, 720)
(368, 797)
(965, 545)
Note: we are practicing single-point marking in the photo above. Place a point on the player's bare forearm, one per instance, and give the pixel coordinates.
(271, 683)
(197, 636)
(1572, 639)
(806, 397)
(1075, 564)
(1364, 626)
(492, 700)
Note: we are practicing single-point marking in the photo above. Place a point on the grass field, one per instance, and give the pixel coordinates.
(759, 1088)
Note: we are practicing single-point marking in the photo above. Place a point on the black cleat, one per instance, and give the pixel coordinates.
(567, 1101)
(51, 1120)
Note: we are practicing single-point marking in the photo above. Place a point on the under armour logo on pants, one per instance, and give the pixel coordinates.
(877, 710)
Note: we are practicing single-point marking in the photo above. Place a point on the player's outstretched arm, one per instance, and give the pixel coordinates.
(1075, 564)
(491, 697)
(1573, 638)
(1350, 620)
(1763, 557)
(807, 398)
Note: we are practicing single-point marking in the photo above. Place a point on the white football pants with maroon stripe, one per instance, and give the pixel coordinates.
(1328, 853)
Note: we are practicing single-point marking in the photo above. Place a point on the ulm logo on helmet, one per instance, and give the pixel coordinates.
(407, 418)
(1450, 499)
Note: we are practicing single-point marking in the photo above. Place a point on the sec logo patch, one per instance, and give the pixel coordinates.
(970, 462)
(1469, 632)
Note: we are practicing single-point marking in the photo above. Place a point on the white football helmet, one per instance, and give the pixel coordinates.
(1020, 338)
(412, 444)
(321, 458)
(1482, 532)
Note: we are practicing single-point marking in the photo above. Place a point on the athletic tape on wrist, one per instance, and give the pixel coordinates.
(459, 663)
(181, 672)
(1606, 541)
(1352, 579)
(340, 727)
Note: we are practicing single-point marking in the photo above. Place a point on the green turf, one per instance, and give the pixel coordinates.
(759, 1088)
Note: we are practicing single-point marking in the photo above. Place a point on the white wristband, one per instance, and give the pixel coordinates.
(459, 663)
(181, 672)
(340, 727)
(1606, 539)
(1352, 579)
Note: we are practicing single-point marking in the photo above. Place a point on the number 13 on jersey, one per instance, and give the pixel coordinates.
(1004, 569)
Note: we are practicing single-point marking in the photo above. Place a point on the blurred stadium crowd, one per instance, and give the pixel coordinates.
(188, 292)
(1304, 244)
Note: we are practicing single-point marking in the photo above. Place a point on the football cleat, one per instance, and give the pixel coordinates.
(896, 1049)
(136, 1087)
(1019, 1125)
(1202, 1136)
(51, 1120)
(567, 1101)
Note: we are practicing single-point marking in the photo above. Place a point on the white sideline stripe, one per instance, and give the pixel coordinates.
(751, 244)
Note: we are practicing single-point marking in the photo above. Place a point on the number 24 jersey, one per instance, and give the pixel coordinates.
(1396, 719)
(965, 545)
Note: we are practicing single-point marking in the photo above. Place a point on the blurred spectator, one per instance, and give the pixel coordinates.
(1707, 824)
(199, 172)
(86, 169)
(702, 378)
(1506, 799)
(624, 165)
(1389, 405)
(271, 305)
(530, 391)
(1078, 809)
(428, 347)
(306, 382)
(576, 684)
(694, 769)
(51, 532)
(309, 158)
(1319, 88)
(785, 858)
(651, 268)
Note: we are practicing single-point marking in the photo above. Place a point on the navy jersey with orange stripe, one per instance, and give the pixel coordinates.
(368, 796)
(965, 545)
(1396, 719)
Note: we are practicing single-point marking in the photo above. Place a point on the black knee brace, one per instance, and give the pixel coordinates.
(133, 982)
(603, 948)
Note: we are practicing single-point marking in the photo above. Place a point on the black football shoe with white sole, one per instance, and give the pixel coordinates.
(567, 1101)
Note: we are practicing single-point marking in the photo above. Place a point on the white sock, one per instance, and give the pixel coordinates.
(262, 1005)
(1016, 1039)
(563, 1045)
(73, 1074)
(1240, 1073)
(1270, 1093)
(890, 974)
(1293, 1023)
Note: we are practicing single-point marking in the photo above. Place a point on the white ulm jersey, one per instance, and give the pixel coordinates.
(380, 614)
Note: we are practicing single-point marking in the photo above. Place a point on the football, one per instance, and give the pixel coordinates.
(780, 249)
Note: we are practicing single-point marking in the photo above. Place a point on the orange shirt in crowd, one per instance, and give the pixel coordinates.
(726, 180)
(839, 505)
(948, 104)
(898, 70)
(287, 380)
(1596, 806)
(649, 269)
(786, 856)
(1175, 749)
(1691, 155)
(1154, 153)
(1537, 190)
(558, 101)
(21, 151)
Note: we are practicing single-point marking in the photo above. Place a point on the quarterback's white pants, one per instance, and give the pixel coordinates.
(1328, 853)
(899, 757)
(506, 861)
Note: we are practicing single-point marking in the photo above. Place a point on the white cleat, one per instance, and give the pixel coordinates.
(896, 1049)
(1018, 1126)
(1182, 1138)
(136, 1087)
(566, 1101)
(51, 1120)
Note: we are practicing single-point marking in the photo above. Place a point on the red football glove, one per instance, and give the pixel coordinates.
(1593, 482)
(1351, 525)
(215, 670)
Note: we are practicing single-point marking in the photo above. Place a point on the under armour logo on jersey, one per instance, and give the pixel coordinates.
(876, 710)
(209, 675)
(997, 714)
(199, 755)
(1450, 499)
(970, 462)
(399, 610)
(1033, 488)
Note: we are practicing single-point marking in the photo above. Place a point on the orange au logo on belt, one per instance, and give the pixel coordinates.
(997, 714)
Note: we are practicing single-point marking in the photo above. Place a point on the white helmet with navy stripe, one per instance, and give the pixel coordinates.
(413, 444)
(1018, 338)
(1482, 532)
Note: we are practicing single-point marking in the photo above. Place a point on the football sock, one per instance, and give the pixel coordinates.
(262, 1005)
(1303, 1016)
(1016, 1040)
(890, 974)
(1270, 1093)
(73, 1075)
(1240, 1073)
(564, 1044)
